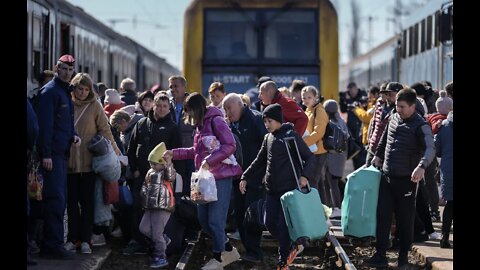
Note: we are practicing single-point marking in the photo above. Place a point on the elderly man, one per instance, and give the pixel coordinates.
(248, 125)
(292, 113)
(55, 119)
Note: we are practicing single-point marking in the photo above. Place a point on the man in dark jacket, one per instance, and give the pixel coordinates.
(292, 113)
(55, 115)
(127, 91)
(405, 150)
(248, 125)
(149, 131)
(348, 101)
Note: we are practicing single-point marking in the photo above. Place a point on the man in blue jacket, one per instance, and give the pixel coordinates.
(55, 115)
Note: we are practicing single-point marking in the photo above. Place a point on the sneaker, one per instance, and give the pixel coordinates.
(282, 265)
(98, 240)
(376, 260)
(134, 248)
(213, 265)
(297, 249)
(85, 248)
(229, 257)
(336, 213)
(69, 246)
(158, 262)
(435, 236)
(117, 233)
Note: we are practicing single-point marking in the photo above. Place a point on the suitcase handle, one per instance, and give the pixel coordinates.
(291, 161)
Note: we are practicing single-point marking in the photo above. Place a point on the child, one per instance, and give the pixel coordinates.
(212, 144)
(444, 105)
(279, 177)
(158, 202)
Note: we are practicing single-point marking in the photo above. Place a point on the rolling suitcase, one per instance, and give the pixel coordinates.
(359, 205)
(304, 213)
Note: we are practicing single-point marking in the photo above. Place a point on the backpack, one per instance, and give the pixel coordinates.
(335, 139)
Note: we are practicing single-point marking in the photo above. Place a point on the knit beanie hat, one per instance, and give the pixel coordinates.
(112, 96)
(444, 104)
(273, 111)
(331, 106)
(130, 109)
(157, 153)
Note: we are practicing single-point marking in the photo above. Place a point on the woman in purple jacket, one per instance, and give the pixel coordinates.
(212, 216)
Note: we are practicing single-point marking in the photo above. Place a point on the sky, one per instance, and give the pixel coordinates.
(160, 23)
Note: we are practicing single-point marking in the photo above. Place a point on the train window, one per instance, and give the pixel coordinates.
(437, 29)
(230, 35)
(99, 75)
(423, 34)
(410, 41)
(64, 38)
(36, 47)
(429, 33)
(415, 39)
(291, 35)
(404, 43)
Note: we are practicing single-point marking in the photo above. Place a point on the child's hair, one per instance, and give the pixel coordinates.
(310, 89)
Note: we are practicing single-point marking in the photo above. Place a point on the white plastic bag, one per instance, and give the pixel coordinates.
(313, 148)
(203, 187)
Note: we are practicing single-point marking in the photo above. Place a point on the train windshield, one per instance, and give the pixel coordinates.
(273, 35)
(290, 35)
(230, 35)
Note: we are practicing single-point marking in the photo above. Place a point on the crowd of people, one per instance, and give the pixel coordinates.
(158, 138)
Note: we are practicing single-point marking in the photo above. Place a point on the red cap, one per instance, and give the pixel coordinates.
(67, 59)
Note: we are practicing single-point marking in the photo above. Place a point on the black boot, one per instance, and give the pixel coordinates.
(445, 243)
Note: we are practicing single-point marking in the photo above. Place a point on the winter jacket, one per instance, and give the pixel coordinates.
(32, 127)
(107, 166)
(435, 120)
(292, 112)
(317, 123)
(92, 121)
(444, 149)
(129, 97)
(158, 190)
(111, 108)
(148, 133)
(187, 131)
(365, 117)
(55, 119)
(213, 124)
(279, 177)
(250, 130)
(406, 144)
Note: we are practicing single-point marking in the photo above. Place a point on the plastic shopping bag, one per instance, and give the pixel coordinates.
(203, 187)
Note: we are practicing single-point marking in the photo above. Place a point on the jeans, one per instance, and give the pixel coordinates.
(213, 216)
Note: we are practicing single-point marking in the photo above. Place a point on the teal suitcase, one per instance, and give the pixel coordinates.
(359, 205)
(304, 213)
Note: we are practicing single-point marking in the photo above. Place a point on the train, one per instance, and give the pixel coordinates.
(422, 51)
(237, 42)
(56, 27)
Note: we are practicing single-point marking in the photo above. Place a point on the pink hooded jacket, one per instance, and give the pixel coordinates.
(213, 124)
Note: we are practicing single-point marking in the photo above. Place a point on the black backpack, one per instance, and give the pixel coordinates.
(253, 220)
(335, 139)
